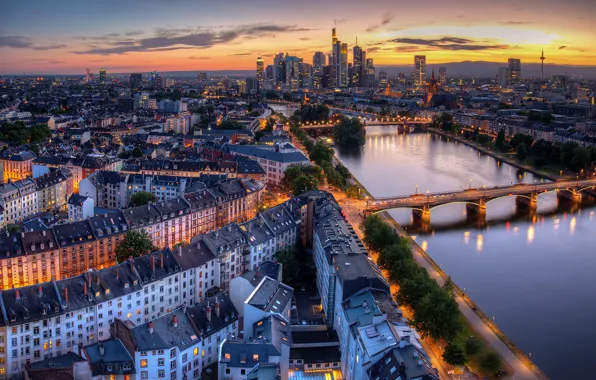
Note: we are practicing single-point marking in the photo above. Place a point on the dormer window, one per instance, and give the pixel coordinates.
(96, 294)
(41, 246)
(126, 285)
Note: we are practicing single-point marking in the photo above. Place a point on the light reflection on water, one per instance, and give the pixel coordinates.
(533, 271)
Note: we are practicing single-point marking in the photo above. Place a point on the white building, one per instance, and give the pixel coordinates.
(80, 208)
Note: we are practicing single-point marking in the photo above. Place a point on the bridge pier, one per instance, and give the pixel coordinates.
(530, 202)
(573, 196)
(422, 214)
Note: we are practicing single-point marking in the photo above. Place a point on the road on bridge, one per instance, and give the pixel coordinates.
(473, 195)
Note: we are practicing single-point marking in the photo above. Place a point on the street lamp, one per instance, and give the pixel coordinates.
(416, 189)
(470, 183)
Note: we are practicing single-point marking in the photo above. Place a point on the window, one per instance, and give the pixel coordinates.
(195, 352)
(173, 353)
(143, 363)
(173, 364)
(161, 362)
(161, 373)
(144, 375)
(184, 358)
(255, 357)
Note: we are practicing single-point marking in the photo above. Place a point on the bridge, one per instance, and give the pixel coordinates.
(476, 199)
(372, 122)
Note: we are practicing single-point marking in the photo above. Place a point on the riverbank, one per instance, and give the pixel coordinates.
(498, 156)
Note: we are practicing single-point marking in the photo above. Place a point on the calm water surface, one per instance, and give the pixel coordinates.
(533, 273)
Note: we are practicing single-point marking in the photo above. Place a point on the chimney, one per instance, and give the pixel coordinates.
(101, 349)
(175, 321)
(39, 291)
(66, 294)
(153, 263)
(132, 264)
(43, 232)
(150, 326)
(161, 260)
(208, 312)
(216, 307)
(117, 276)
(85, 288)
(97, 278)
(180, 251)
(18, 295)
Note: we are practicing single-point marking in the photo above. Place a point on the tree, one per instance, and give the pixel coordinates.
(521, 151)
(349, 132)
(449, 285)
(454, 354)
(12, 228)
(491, 362)
(230, 124)
(289, 263)
(142, 198)
(134, 244)
(500, 139)
(302, 178)
(137, 152)
(321, 152)
(483, 139)
(353, 191)
(473, 346)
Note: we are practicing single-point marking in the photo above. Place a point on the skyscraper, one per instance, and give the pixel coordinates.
(260, 71)
(515, 70)
(202, 77)
(292, 72)
(87, 75)
(420, 64)
(102, 76)
(542, 58)
(370, 73)
(504, 77)
(319, 61)
(279, 68)
(383, 79)
(136, 81)
(343, 66)
(356, 65)
(443, 75)
(339, 61)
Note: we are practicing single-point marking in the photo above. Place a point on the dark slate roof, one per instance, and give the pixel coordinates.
(193, 255)
(31, 303)
(38, 241)
(116, 360)
(248, 166)
(279, 219)
(165, 335)
(225, 238)
(269, 334)
(199, 312)
(108, 224)
(34, 225)
(267, 268)
(63, 361)
(156, 265)
(52, 160)
(271, 295)
(72, 292)
(256, 231)
(252, 151)
(314, 355)
(111, 177)
(405, 362)
(11, 244)
(77, 200)
(141, 215)
(357, 272)
(172, 208)
(51, 179)
(200, 200)
(20, 156)
(73, 233)
(113, 282)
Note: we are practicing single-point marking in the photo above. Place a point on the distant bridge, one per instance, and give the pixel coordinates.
(370, 123)
(476, 199)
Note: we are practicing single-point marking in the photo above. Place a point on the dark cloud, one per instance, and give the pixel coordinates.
(49, 47)
(188, 38)
(134, 33)
(516, 22)
(385, 19)
(48, 61)
(16, 42)
(241, 54)
(339, 21)
(445, 43)
(562, 47)
(195, 57)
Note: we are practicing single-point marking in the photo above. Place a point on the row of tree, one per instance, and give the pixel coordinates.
(436, 313)
(18, 134)
(349, 132)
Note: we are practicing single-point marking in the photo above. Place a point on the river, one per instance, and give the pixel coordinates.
(533, 273)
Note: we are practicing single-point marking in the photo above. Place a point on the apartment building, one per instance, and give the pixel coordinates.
(16, 166)
(53, 189)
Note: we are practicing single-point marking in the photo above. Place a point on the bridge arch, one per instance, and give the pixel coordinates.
(587, 187)
(433, 207)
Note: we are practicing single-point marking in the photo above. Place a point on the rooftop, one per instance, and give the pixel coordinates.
(171, 330)
(271, 295)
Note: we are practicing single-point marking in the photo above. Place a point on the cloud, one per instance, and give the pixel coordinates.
(339, 21)
(305, 39)
(48, 61)
(16, 42)
(562, 47)
(241, 54)
(385, 19)
(445, 43)
(134, 33)
(517, 22)
(49, 47)
(189, 38)
(195, 57)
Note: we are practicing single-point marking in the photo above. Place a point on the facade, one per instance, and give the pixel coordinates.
(17, 166)
(260, 71)
(443, 76)
(420, 67)
(319, 62)
(53, 190)
(18, 200)
(136, 81)
(80, 208)
(107, 188)
(514, 65)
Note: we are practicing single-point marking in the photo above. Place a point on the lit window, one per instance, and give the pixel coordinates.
(195, 352)
(144, 363)
(255, 357)
(227, 356)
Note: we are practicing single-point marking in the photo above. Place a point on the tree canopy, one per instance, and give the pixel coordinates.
(301, 178)
(18, 134)
(349, 132)
(309, 113)
(135, 243)
(142, 198)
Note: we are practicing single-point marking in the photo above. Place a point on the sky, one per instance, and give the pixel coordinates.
(66, 36)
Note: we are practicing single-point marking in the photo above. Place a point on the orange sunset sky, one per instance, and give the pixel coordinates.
(65, 37)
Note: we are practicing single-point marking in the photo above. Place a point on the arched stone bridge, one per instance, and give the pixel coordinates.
(476, 199)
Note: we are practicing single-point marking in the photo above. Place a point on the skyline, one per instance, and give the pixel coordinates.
(67, 38)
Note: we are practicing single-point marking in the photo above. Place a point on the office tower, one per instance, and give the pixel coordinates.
(514, 70)
(383, 79)
(363, 79)
(420, 65)
(260, 71)
(102, 76)
(136, 81)
(542, 58)
(443, 75)
(87, 75)
(152, 77)
(339, 62)
(305, 75)
(319, 61)
(432, 87)
(202, 77)
(356, 65)
(504, 76)
(328, 78)
(370, 73)
(401, 78)
(343, 66)
(269, 73)
(292, 72)
(279, 67)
